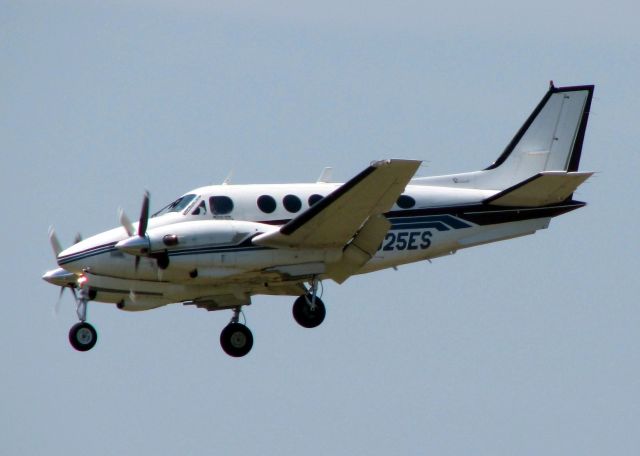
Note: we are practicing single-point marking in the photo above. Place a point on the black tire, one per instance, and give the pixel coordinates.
(306, 317)
(236, 340)
(83, 336)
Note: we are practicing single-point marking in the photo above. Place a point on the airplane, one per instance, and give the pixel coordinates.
(216, 247)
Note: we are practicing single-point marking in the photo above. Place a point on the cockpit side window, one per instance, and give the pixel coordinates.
(201, 209)
(177, 206)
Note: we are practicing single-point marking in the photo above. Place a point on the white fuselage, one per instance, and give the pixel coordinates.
(216, 257)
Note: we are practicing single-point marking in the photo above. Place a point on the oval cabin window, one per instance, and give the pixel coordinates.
(313, 199)
(267, 204)
(406, 202)
(292, 203)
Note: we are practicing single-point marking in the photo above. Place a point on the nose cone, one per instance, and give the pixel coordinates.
(60, 277)
(135, 245)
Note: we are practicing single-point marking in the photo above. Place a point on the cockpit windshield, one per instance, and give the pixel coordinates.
(177, 206)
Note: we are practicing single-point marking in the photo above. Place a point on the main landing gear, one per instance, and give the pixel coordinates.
(308, 309)
(82, 335)
(236, 339)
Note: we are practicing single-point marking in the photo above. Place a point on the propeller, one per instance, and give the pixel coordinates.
(60, 277)
(138, 243)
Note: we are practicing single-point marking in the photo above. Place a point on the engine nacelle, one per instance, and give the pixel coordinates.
(188, 245)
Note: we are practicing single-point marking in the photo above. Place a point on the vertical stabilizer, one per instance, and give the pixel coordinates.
(550, 140)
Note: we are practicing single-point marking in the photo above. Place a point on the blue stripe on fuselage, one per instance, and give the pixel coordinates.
(441, 222)
(98, 250)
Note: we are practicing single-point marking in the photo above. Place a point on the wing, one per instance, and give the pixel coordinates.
(335, 219)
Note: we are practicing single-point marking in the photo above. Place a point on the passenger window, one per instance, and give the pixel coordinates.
(406, 202)
(267, 204)
(200, 210)
(292, 203)
(313, 199)
(221, 205)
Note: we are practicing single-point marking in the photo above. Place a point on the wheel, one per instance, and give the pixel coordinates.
(303, 314)
(83, 336)
(236, 340)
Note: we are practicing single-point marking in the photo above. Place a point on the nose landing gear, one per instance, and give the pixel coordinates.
(82, 336)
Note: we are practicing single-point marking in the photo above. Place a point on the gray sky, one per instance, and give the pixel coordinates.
(524, 347)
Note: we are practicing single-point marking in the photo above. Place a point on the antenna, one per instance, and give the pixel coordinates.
(325, 175)
(227, 179)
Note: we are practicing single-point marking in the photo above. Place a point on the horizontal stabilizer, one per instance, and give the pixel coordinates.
(548, 187)
(336, 218)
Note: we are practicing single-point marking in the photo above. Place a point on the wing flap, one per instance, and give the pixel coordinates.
(336, 218)
(548, 187)
(361, 249)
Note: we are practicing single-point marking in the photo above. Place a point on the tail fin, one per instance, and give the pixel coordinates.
(550, 140)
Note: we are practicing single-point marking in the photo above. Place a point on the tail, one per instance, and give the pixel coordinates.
(551, 139)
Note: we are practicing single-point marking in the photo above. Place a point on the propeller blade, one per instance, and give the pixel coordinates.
(144, 215)
(55, 243)
(56, 308)
(78, 238)
(137, 262)
(125, 222)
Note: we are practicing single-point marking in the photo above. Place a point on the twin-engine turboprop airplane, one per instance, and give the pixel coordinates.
(216, 247)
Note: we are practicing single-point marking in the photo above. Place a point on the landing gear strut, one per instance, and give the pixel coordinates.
(82, 335)
(236, 339)
(308, 309)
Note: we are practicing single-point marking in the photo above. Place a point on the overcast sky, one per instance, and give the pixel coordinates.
(524, 347)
